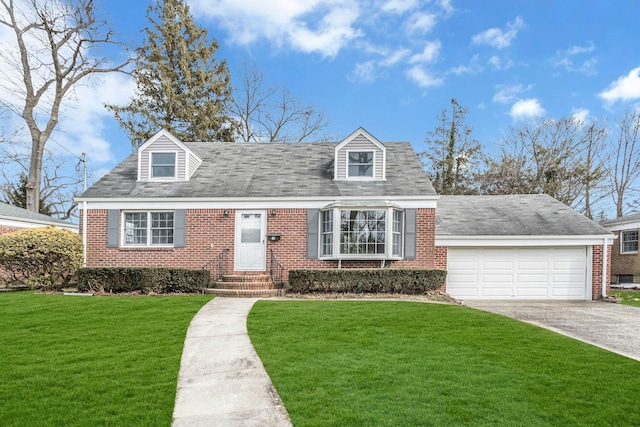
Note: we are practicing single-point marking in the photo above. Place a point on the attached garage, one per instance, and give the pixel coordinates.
(520, 247)
(518, 273)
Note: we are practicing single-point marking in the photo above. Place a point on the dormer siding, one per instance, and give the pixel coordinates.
(360, 142)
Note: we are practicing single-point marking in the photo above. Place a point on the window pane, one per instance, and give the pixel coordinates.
(326, 228)
(397, 233)
(161, 228)
(250, 235)
(135, 228)
(361, 163)
(630, 241)
(163, 165)
(362, 232)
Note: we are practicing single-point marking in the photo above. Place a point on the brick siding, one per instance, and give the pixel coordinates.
(624, 264)
(208, 232)
(596, 276)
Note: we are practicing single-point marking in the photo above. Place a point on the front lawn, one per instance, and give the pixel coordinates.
(91, 361)
(628, 298)
(356, 363)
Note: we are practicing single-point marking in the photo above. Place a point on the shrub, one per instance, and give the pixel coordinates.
(381, 280)
(46, 257)
(159, 280)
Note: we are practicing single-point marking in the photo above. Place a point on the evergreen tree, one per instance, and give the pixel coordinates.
(180, 85)
(452, 158)
(15, 194)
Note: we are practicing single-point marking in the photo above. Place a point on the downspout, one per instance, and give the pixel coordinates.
(84, 233)
(605, 253)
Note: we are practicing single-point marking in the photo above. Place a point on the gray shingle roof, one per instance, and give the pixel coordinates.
(14, 212)
(269, 170)
(513, 215)
(622, 220)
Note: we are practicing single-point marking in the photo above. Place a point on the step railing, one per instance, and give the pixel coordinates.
(276, 270)
(218, 266)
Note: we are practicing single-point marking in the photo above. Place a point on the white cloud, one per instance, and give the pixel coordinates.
(498, 38)
(428, 54)
(395, 57)
(421, 22)
(509, 93)
(312, 26)
(577, 50)
(526, 108)
(422, 78)
(580, 115)
(399, 6)
(567, 59)
(624, 89)
(364, 72)
(472, 68)
(498, 64)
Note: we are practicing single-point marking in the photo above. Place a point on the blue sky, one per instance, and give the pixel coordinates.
(390, 66)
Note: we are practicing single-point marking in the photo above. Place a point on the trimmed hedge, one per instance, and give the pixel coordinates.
(159, 280)
(357, 280)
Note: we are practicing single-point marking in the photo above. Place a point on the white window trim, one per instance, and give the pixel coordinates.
(358, 177)
(388, 235)
(622, 241)
(123, 240)
(175, 166)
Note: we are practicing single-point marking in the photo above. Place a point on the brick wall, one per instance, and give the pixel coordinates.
(4, 229)
(208, 232)
(441, 257)
(627, 264)
(596, 276)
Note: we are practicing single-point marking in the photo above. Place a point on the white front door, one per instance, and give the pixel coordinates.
(250, 241)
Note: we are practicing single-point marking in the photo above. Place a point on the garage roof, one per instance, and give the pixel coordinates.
(511, 215)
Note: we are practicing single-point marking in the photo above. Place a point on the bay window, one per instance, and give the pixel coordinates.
(361, 233)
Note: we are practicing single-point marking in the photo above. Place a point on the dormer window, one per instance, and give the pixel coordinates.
(360, 157)
(361, 164)
(163, 165)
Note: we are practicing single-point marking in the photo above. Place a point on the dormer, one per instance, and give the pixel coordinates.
(360, 157)
(165, 158)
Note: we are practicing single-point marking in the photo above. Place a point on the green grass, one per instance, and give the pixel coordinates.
(91, 361)
(357, 363)
(629, 298)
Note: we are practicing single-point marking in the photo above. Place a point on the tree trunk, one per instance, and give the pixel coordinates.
(35, 173)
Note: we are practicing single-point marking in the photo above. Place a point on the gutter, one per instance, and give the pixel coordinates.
(605, 254)
(84, 233)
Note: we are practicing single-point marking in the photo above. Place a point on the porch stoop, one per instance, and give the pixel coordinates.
(246, 285)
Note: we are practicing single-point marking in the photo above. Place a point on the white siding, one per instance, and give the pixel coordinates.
(194, 163)
(360, 143)
(162, 144)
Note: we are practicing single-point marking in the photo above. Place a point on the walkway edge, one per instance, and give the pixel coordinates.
(222, 381)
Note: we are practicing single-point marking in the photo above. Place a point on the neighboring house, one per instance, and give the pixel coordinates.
(356, 203)
(13, 218)
(625, 262)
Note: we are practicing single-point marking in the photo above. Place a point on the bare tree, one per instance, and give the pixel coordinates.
(51, 55)
(625, 161)
(272, 113)
(555, 157)
(59, 186)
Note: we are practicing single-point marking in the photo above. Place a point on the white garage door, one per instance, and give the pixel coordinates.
(517, 273)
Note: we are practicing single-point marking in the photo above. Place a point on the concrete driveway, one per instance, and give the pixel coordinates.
(614, 327)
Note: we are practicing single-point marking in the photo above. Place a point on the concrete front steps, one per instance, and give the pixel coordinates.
(245, 285)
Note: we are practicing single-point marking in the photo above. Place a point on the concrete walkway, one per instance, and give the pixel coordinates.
(222, 382)
(614, 327)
